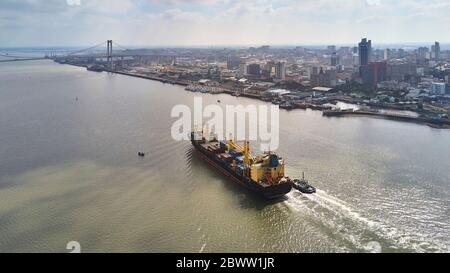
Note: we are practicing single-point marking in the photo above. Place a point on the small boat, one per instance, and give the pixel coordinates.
(303, 185)
(286, 106)
(141, 154)
(218, 101)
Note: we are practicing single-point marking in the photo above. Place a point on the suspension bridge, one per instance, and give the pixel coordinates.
(89, 54)
(13, 58)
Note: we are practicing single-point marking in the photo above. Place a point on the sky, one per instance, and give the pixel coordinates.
(221, 22)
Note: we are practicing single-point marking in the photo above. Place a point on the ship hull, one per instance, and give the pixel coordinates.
(272, 192)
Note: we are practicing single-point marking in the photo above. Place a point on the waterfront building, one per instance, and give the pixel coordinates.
(400, 71)
(280, 70)
(254, 69)
(242, 69)
(326, 78)
(373, 73)
(265, 73)
(393, 85)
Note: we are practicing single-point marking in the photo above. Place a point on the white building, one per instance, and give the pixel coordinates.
(242, 69)
(280, 70)
(420, 71)
(387, 54)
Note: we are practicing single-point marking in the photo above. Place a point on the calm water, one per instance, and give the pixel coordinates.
(69, 171)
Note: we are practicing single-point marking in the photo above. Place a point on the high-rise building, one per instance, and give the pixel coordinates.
(254, 69)
(344, 50)
(326, 78)
(334, 59)
(242, 69)
(401, 71)
(331, 49)
(373, 73)
(365, 51)
(401, 53)
(355, 60)
(387, 54)
(437, 51)
(268, 70)
(280, 70)
(422, 53)
(233, 63)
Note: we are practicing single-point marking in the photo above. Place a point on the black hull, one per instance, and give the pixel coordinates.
(272, 192)
(305, 190)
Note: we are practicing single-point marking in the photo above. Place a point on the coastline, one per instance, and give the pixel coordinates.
(437, 124)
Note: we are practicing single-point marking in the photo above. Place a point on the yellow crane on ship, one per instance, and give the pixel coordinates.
(258, 168)
(268, 166)
(248, 157)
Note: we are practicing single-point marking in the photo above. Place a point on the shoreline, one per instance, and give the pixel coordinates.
(437, 124)
(177, 82)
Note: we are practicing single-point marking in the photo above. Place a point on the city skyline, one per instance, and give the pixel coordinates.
(225, 126)
(221, 22)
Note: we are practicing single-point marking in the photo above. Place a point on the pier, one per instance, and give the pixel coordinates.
(439, 123)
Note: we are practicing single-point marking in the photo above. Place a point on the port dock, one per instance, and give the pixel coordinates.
(433, 122)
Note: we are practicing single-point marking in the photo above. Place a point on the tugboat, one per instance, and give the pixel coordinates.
(303, 185)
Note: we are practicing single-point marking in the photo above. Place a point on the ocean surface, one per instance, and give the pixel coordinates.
(69, 172)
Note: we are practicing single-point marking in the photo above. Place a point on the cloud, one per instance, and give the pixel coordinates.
(189, 2)
(73, 2)
(373, 2)
(86, 22)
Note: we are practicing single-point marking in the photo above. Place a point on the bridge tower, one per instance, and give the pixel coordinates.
(110, 54)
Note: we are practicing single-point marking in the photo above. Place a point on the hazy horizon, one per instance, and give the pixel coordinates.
(218, 23)
(412, 46)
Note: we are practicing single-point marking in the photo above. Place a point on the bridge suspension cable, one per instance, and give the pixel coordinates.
(86, 49)
(120, 46)
(69, 52)
(12, 56)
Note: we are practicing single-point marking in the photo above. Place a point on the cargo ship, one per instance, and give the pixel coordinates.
(263, 174)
